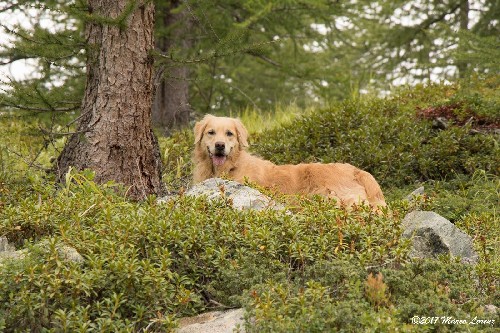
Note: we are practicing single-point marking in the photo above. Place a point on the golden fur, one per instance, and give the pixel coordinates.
(341, 181)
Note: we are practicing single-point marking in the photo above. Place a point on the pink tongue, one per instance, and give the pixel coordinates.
(218, 160)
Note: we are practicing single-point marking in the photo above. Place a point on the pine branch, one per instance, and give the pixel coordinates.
(52, 134)
(120, 20)
(18, 34)
(27, 162)
(14, 59)
(39, 109)
(214, 54)
(256, 107)
(263, 57)
(425, 25)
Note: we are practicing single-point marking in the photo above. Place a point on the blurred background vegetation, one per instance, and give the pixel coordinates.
(227, 56)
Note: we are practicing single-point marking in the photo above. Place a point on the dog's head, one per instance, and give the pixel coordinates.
(220, 137)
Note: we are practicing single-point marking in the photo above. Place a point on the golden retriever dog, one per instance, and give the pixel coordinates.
(220, 150)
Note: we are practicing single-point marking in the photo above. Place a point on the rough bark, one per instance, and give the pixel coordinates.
(171, 108)
(114, 136)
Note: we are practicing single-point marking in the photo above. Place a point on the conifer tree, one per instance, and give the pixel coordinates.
(114, 137)
(55, 50)
(171, 107)
(252, 53)
(421, 40)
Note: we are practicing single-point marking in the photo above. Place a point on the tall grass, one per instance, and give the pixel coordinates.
(257, 121)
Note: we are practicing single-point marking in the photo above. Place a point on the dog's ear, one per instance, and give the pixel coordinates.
(242, 133)
(199, 128)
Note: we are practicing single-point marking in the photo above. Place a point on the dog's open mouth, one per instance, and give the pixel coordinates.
(218, 158)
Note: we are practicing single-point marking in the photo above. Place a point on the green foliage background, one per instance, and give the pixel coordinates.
(259, 53)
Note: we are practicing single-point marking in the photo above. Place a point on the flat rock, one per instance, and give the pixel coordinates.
(12, 255)
(213, 322)
(490, 309)
(5, 246)
(68, 253)
(433, 235)
(8, 251)
(239, 195)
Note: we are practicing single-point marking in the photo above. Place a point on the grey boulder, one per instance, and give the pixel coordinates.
(237, 195)
(433, 235)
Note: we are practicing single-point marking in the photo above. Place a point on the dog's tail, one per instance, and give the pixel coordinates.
(372, 188)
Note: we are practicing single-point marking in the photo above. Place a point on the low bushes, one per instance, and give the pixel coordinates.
(341, 296)
(147, 263)
(320, 269)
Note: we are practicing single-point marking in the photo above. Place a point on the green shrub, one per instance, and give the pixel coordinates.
(384, 137)
(176, 153)
(463, 195)
(148, 263)
(330, 296)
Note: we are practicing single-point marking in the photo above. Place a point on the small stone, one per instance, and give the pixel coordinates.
(70, 254)
(440, 122)
(418, 192)
(213, 322)
(13, 254)
(5, 246)
(490, 309)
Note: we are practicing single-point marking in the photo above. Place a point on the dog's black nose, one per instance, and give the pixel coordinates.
(219, 146)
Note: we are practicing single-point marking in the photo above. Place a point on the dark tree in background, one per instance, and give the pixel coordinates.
(171, 107)
(114, 135)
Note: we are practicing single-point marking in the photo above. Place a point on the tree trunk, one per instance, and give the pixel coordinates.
(171, 107)
(114, 136)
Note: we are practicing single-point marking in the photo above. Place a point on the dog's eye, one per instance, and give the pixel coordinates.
(211, 132)
(229, 133)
